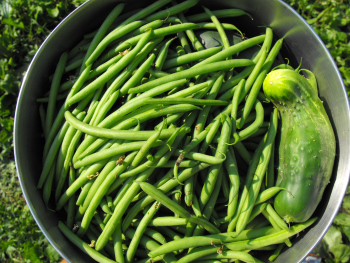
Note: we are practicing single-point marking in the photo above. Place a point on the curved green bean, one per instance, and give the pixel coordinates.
(112, 71)
(218, 13)
(101, 32)
(115, 34)
(188, 73)
(270, 239)
(259, 174)
(113, 133)
(82, 245)
(188, 58)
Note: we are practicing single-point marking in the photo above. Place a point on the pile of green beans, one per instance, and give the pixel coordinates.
(159, 149)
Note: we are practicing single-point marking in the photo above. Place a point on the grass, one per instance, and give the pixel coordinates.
(20, 238)
(25, 24)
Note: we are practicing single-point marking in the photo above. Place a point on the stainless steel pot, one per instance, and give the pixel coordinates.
(300, 42)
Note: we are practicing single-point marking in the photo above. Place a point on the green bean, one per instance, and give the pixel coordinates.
(113, 151)
(218, 13)
(62, 153)
(279, 221)
(270, 239)
(104, 108)
(82, 245)
(235, 103)
(243, 152)
(163, 199)
(259, 174)
(209, 206)
(191, 57)
(106, 123)
(197, 45)
(79, 182)
(129, 69)
(216, 66)
(161, 89)
(138, 75)
(85, 189)
(71, 202)
(249, 177)
(202, 157)
(112, 71)
(100, 191)
(219, 27)
(53, 92)
(160, 32)
(189, 91)
(157, 158)
(121, 208)
(163, 52)
(254, 74)
(122, 78)
(109, 202)
(74, 63)
(212, 95)
(209, 184)
(75, 50)
(114, 133)
(252, 128)
(151, 142)
(150, 244)
(225, 53)
(242, 256)
(172, 10)
(186, 164)
(166, 187)
(50, 157)
(42, 115)
(48, 185)
(157, 73)
(211, 133)
(270, 174)
(232, 170)
(61, 96)
(168, 221)
(60, 116)
(155, 235)
(115, 34)
(101, 32)
(226, 26)
(104, 206)
(267, 194)
(118, 244)
(196, 220)
(230, 85)
(70, 151)
(215, 239)
(144, 12)
(151, 25)
(257, 210)
(166, 101)
(259, 80)
(209, 250)
(140, 230)
(276, 252)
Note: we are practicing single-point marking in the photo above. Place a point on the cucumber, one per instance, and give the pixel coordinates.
(306, 150)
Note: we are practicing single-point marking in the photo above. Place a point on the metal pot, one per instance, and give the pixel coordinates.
(300, 42)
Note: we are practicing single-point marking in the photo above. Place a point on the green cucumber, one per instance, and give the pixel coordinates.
(307, 143)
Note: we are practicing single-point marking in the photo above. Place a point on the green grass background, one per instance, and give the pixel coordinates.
(26, 23)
